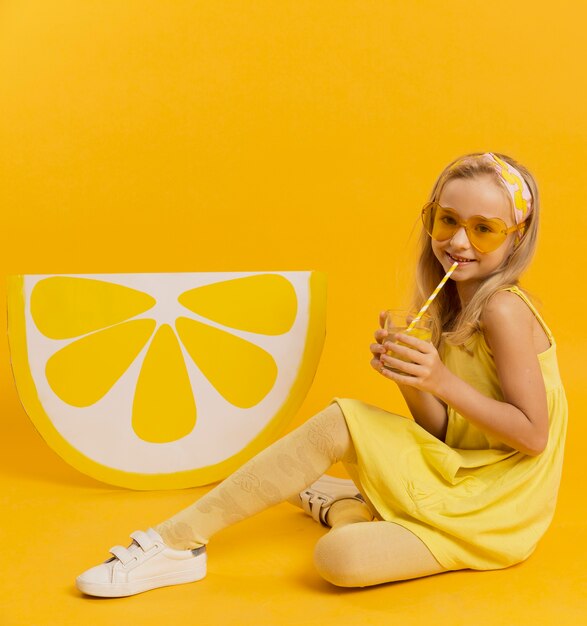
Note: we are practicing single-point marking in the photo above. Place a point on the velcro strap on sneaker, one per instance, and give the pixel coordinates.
(305, 498)
(143, 539)
(313, 503)
(122, 554)
(316, 504)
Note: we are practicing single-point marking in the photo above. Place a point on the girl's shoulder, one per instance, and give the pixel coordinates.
(508, 305)
(510, 312)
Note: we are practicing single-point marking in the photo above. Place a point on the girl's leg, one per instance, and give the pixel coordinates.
(350, 463)
(347, 511)
(280, 471)
(358, 552)
(369, 553)
(350, 510)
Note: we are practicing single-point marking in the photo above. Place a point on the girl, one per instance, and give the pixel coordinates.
(471, 481)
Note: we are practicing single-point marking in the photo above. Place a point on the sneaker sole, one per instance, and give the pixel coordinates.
(118, 590)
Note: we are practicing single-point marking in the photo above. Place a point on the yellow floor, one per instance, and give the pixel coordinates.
(57, 523)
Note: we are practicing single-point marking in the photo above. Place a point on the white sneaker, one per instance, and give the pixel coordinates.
(316, 499)
(146, 564)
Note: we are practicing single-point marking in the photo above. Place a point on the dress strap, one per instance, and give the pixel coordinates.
(527, 300)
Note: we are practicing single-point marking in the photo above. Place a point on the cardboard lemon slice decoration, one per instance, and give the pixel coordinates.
(164, 381)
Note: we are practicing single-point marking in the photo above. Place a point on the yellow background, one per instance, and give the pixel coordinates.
(160, 136)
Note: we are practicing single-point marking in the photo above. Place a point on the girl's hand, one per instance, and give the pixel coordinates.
(426, 372)
(377, 349)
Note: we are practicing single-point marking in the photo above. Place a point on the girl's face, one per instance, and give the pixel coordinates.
(469, 197)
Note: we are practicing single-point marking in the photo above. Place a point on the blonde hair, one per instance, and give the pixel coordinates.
(450, 322)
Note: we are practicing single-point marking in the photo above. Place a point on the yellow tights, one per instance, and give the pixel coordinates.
(356, 552)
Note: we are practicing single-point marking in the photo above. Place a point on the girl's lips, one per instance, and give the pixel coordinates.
(460, 261)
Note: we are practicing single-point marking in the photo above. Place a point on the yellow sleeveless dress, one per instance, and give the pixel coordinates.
(474, 501)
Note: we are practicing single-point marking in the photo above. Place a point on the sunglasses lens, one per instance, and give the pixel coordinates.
(442, 223)
(487, 235)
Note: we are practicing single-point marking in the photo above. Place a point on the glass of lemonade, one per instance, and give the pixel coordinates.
(396, 321)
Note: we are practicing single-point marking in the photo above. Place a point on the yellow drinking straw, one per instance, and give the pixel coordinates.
(432, 296)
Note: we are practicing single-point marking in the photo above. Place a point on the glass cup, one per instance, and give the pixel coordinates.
(396, 321)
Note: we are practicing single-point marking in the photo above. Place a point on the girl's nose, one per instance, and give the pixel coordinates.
(460, 239)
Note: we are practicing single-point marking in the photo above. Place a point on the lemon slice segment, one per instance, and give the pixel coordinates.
(80, 301)
(163, 376)
(182, 378)
(242, 372)
(84, 371)
(265, 303)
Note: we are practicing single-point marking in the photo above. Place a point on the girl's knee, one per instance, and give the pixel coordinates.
(337, 560)
(328, 431)
(332, 414)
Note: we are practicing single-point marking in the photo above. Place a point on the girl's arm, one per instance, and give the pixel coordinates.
(428, 411)
(521, 420)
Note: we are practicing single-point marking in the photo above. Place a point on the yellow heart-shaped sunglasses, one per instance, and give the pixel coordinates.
(485, 234)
